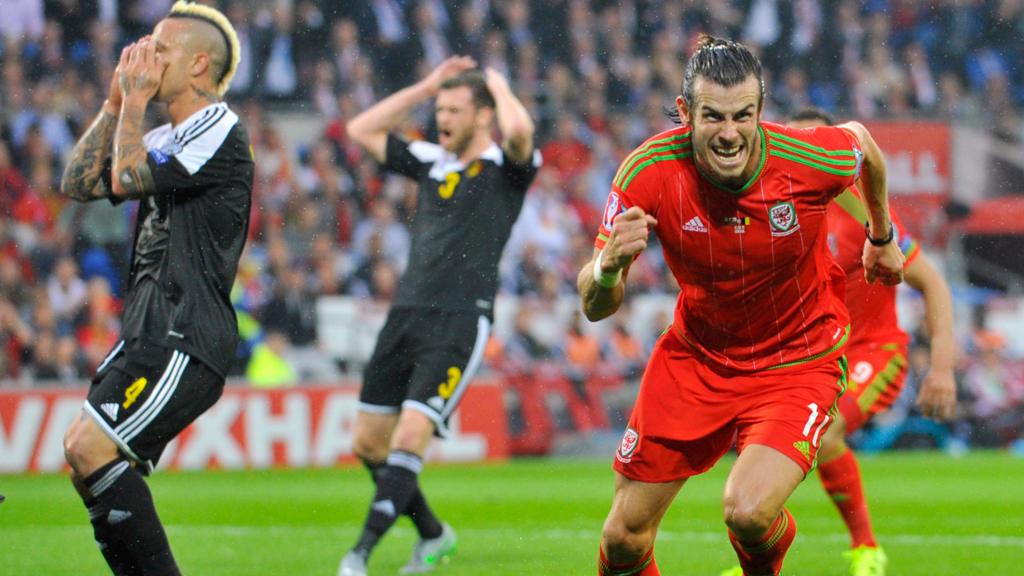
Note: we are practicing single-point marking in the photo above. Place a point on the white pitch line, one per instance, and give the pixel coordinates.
(979, 540)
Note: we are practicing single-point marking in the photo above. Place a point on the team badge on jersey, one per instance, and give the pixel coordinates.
(630, 440)
(612, 209)
(783, 219)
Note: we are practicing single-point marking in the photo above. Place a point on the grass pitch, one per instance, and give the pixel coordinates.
(935, 515)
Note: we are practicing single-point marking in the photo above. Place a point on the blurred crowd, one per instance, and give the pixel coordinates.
(595, 74)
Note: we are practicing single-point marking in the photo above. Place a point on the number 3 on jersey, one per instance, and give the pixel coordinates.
(447, 188)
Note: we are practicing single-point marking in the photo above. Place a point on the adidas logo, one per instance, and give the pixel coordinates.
(110, 409)
(803, 447)
(118, 516)
(386, 507)
(695, 225)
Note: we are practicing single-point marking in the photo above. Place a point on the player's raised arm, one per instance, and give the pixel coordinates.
(513, 120)
(882, 256)
(370, 128)
(600, 282)
(140, 80)
(83, 175)
(937, 396)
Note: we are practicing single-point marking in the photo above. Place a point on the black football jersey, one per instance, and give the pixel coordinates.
(464, 214)
(189, 237)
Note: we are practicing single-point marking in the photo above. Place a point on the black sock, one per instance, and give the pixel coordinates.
(113, 550)
(422, 516)
(417, 510)
(122, 495)
(373, 467)
(396, 485)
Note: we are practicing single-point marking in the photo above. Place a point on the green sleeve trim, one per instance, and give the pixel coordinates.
(647, 154)
(813, 164)
(818, 157)
(631, 159)
(791, 140)
(650, 161)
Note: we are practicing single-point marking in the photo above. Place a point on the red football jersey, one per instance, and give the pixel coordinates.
(872, 306)
(759, 288)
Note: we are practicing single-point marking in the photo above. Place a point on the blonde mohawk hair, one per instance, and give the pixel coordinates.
(186, 9)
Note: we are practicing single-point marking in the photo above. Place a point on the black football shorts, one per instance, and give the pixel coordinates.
(424, 360)
(142, 399)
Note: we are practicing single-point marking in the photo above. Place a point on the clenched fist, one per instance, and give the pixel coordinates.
(629, 238)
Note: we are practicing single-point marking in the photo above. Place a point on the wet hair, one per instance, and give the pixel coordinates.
(723, 62)
(813, 114)
(212, 16)
(474, 80)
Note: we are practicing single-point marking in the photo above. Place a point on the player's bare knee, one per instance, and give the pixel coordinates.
(748, 518)
(77, 448)
(624, 543)
(370, 447)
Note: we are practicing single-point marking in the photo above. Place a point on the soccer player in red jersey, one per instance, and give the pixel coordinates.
(755, 350)
(877, 354)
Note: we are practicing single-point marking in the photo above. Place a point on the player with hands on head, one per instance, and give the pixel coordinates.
(193, 180)
(755, 350)
(470, 192)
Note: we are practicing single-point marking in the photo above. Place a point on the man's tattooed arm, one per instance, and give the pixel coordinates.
(82, 179)
(132, 177)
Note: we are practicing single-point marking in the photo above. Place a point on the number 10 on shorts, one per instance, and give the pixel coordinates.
(810, 422)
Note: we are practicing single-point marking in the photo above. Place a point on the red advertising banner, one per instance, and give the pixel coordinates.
(918, 157)
(310, 426)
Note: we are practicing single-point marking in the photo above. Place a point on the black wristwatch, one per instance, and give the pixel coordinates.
(883, 241)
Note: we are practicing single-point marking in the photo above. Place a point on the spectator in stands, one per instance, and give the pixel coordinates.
(625, 353)
(268, 367)
(381, 236)
(291, 310)
(66, 291)
(566, 154)
(997, 392)
(280, 76)
(101, 328)
(523, 348)
(15, 336)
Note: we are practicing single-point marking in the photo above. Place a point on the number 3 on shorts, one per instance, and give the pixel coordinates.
(810, 422)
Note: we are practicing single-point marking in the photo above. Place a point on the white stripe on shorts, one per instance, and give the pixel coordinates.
(158, 398)
(111, 356)
(483, 332)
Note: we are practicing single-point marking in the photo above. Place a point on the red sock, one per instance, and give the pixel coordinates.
(841, 479)
(645, 566)
(764, 557)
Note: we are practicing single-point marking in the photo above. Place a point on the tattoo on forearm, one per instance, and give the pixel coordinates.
(130, 167)
(82, 176)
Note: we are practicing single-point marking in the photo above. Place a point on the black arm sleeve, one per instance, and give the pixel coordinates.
(520, 175)
(399, 159)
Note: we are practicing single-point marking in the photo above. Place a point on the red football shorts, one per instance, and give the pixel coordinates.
(877, 374)
(688, 415)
